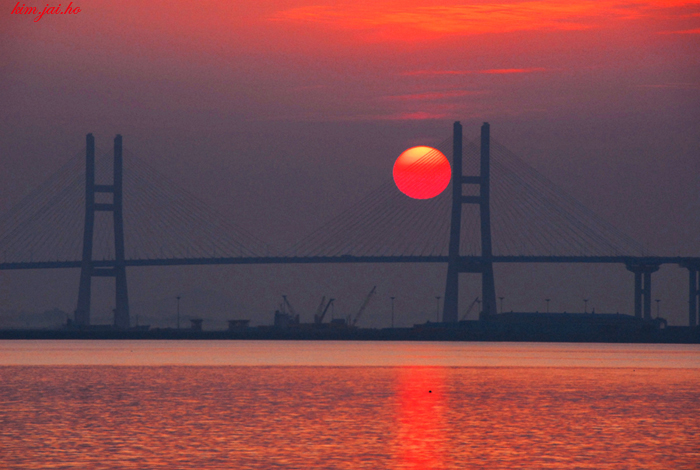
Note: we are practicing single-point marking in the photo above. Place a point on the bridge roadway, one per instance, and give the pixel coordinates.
(467, 260)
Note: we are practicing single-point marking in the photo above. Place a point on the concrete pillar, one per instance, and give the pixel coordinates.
(488, 287)
(121, 312)
(451, 306)
(638, 294)
(82, 311)
(642, 287)
(693, 296)
(647, 295)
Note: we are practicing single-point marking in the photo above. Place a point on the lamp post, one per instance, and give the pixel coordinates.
(178, 312)
(547, 300)
(501, 299)
(437, 310)
(657, 307)
(585, 305)
(392, 311)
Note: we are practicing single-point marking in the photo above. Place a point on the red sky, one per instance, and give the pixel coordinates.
(355, 60)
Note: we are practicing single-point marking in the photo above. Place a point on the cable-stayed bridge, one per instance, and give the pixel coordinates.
(103, 216)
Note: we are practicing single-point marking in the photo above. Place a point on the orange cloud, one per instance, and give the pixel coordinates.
(415, 116)
(508, 71)
(325, 117)
(685, 31)
(469, 72)
(406, 20)
(432, 96)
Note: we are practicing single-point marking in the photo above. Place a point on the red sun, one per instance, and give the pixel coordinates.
(422, 172)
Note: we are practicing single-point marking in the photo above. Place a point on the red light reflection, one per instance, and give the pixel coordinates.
(421, 423)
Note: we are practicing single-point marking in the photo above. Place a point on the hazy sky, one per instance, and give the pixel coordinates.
(281, 113)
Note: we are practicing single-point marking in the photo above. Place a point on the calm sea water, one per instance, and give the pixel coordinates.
(347, 405)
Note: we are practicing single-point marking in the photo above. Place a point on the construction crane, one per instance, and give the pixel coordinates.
(294, 316)
(364, 306)
(284, 319)
(318, 318)
(469, 309)
(319, 308)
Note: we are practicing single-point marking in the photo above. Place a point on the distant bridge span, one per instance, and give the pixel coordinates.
(465, 260)
(177, 229)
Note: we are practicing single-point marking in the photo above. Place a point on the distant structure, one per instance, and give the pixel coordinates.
(642, 287)
(199, 236)
(693, 267)
(456, 263)
(284, 319)
(235, 325)
(87, 270)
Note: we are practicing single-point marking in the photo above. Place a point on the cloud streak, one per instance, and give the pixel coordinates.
(685, 31)
(432, 96)
(414, 20)
(471, 72)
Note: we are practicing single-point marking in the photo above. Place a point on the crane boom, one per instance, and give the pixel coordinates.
(320, 308)
(364, 305)
(289, 306)
(319, 318)
(291, 309)
(469, 309)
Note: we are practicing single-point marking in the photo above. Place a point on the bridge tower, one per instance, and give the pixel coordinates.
(456, 263)
(88, 270)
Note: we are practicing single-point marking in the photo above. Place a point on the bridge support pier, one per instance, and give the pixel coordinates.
(642, 288)
(488, 285)
(82, 311)
(456, 263)
(693, 292)
(88, 270)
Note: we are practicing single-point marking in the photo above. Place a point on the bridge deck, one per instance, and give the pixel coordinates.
(476, 260)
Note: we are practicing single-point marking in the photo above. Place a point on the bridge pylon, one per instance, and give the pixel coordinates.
(456, 263)
(88, 270)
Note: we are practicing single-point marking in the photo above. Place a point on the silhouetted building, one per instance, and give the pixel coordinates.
(238, 324)
(285, 320)
(575, 322)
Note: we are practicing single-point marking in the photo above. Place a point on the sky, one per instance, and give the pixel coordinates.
(280, 114)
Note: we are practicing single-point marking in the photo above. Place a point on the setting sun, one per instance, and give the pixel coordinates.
(422, 172)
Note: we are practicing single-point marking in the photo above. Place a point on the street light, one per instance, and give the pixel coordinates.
(547, 300)
(585, 305)
(178, 312)
(392, 311)
(501, 299)
(437, 310)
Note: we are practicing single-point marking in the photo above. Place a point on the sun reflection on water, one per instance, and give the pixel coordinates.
(420, 437)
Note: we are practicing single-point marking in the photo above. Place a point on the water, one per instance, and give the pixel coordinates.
(347, 405)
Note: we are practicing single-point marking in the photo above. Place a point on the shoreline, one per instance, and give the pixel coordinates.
(429, 332)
